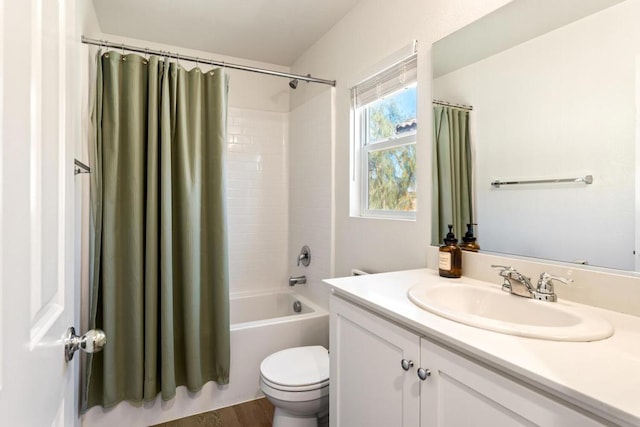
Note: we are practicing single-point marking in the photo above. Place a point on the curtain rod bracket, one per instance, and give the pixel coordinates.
(80, 167)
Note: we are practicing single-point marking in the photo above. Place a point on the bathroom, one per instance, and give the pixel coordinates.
(289, 173)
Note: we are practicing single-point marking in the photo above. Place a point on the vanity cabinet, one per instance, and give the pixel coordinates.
(461, 392)
(369, 385)
(383, 374)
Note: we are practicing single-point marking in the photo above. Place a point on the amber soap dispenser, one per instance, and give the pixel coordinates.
(450, 256)
(469, 241)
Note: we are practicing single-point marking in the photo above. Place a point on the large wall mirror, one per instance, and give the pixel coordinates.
(555, 91)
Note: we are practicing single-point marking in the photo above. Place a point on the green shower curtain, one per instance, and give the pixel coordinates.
(159, 274)
(452, 196)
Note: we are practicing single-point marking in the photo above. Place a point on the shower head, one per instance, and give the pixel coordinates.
(294, 83)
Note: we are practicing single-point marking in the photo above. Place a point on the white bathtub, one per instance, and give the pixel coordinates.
(264, 323)
(257, 310)
(261, 323)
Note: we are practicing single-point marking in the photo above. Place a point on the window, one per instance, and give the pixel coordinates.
(384, 143)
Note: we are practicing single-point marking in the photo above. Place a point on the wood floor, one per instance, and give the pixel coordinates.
(256, 413)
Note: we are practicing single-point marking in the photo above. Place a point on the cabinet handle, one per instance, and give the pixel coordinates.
(423, 374)
(406, 364)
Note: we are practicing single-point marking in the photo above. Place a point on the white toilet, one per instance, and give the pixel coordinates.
(296, 381)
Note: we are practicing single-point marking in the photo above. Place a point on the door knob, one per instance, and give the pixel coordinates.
(91, 342)
(406, 364)
(423, 374)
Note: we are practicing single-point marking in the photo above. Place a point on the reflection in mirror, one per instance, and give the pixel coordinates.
(554, 88)
(452, 198)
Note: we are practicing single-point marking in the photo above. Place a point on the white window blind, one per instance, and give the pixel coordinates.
(386, 82)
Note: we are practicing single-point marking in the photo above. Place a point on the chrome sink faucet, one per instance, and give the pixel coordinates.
(517, 284)
(514, 282)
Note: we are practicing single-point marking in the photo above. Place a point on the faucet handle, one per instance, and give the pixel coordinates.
(505, 273)
(545, 282)
(511, 275)
(503, 268)
(545, 290)
(304, 256)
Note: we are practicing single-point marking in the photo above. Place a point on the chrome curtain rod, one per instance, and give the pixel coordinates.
(449, 104)
(587, 179)
(197, 60)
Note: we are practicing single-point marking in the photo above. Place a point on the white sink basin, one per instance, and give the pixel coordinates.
(490, 308)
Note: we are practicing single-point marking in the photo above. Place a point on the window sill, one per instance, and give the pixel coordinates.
(392, 217)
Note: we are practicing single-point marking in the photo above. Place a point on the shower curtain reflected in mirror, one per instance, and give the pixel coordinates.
(452, 193)
(159, 273)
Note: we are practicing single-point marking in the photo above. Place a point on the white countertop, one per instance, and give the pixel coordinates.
(602, 377)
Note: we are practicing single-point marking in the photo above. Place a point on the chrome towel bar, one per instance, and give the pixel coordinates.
(587, 179)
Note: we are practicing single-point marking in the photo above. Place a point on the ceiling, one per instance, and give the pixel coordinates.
(274, 31)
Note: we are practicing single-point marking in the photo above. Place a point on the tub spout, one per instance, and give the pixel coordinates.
(297, 280)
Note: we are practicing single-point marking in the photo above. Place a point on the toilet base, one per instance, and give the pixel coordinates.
(298, 413)
(282, 418)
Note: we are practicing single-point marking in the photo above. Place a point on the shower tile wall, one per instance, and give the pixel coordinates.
(310, 193)
(257, 194)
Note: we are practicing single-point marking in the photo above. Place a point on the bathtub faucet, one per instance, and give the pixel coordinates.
(298, 280)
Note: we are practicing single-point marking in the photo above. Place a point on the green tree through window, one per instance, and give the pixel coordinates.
(392, 179)
(391, 170)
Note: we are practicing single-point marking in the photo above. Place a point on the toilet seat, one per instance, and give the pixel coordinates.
(294, 395)
(283, 387)
(296, 369)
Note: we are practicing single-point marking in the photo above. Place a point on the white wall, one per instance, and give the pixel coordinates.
(372, 31)
(560, 105)
(310, 193)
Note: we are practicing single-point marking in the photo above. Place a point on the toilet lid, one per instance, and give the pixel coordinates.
(297, 367)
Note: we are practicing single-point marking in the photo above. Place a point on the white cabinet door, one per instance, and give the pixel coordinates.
(369, 386)
(462, 393)
(37, 130)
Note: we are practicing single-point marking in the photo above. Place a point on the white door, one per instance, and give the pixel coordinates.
(38, 128)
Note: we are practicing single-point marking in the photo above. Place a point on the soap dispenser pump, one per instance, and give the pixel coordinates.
(469, 240)
(450, 256)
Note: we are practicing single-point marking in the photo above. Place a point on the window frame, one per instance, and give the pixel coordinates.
(362, 149)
